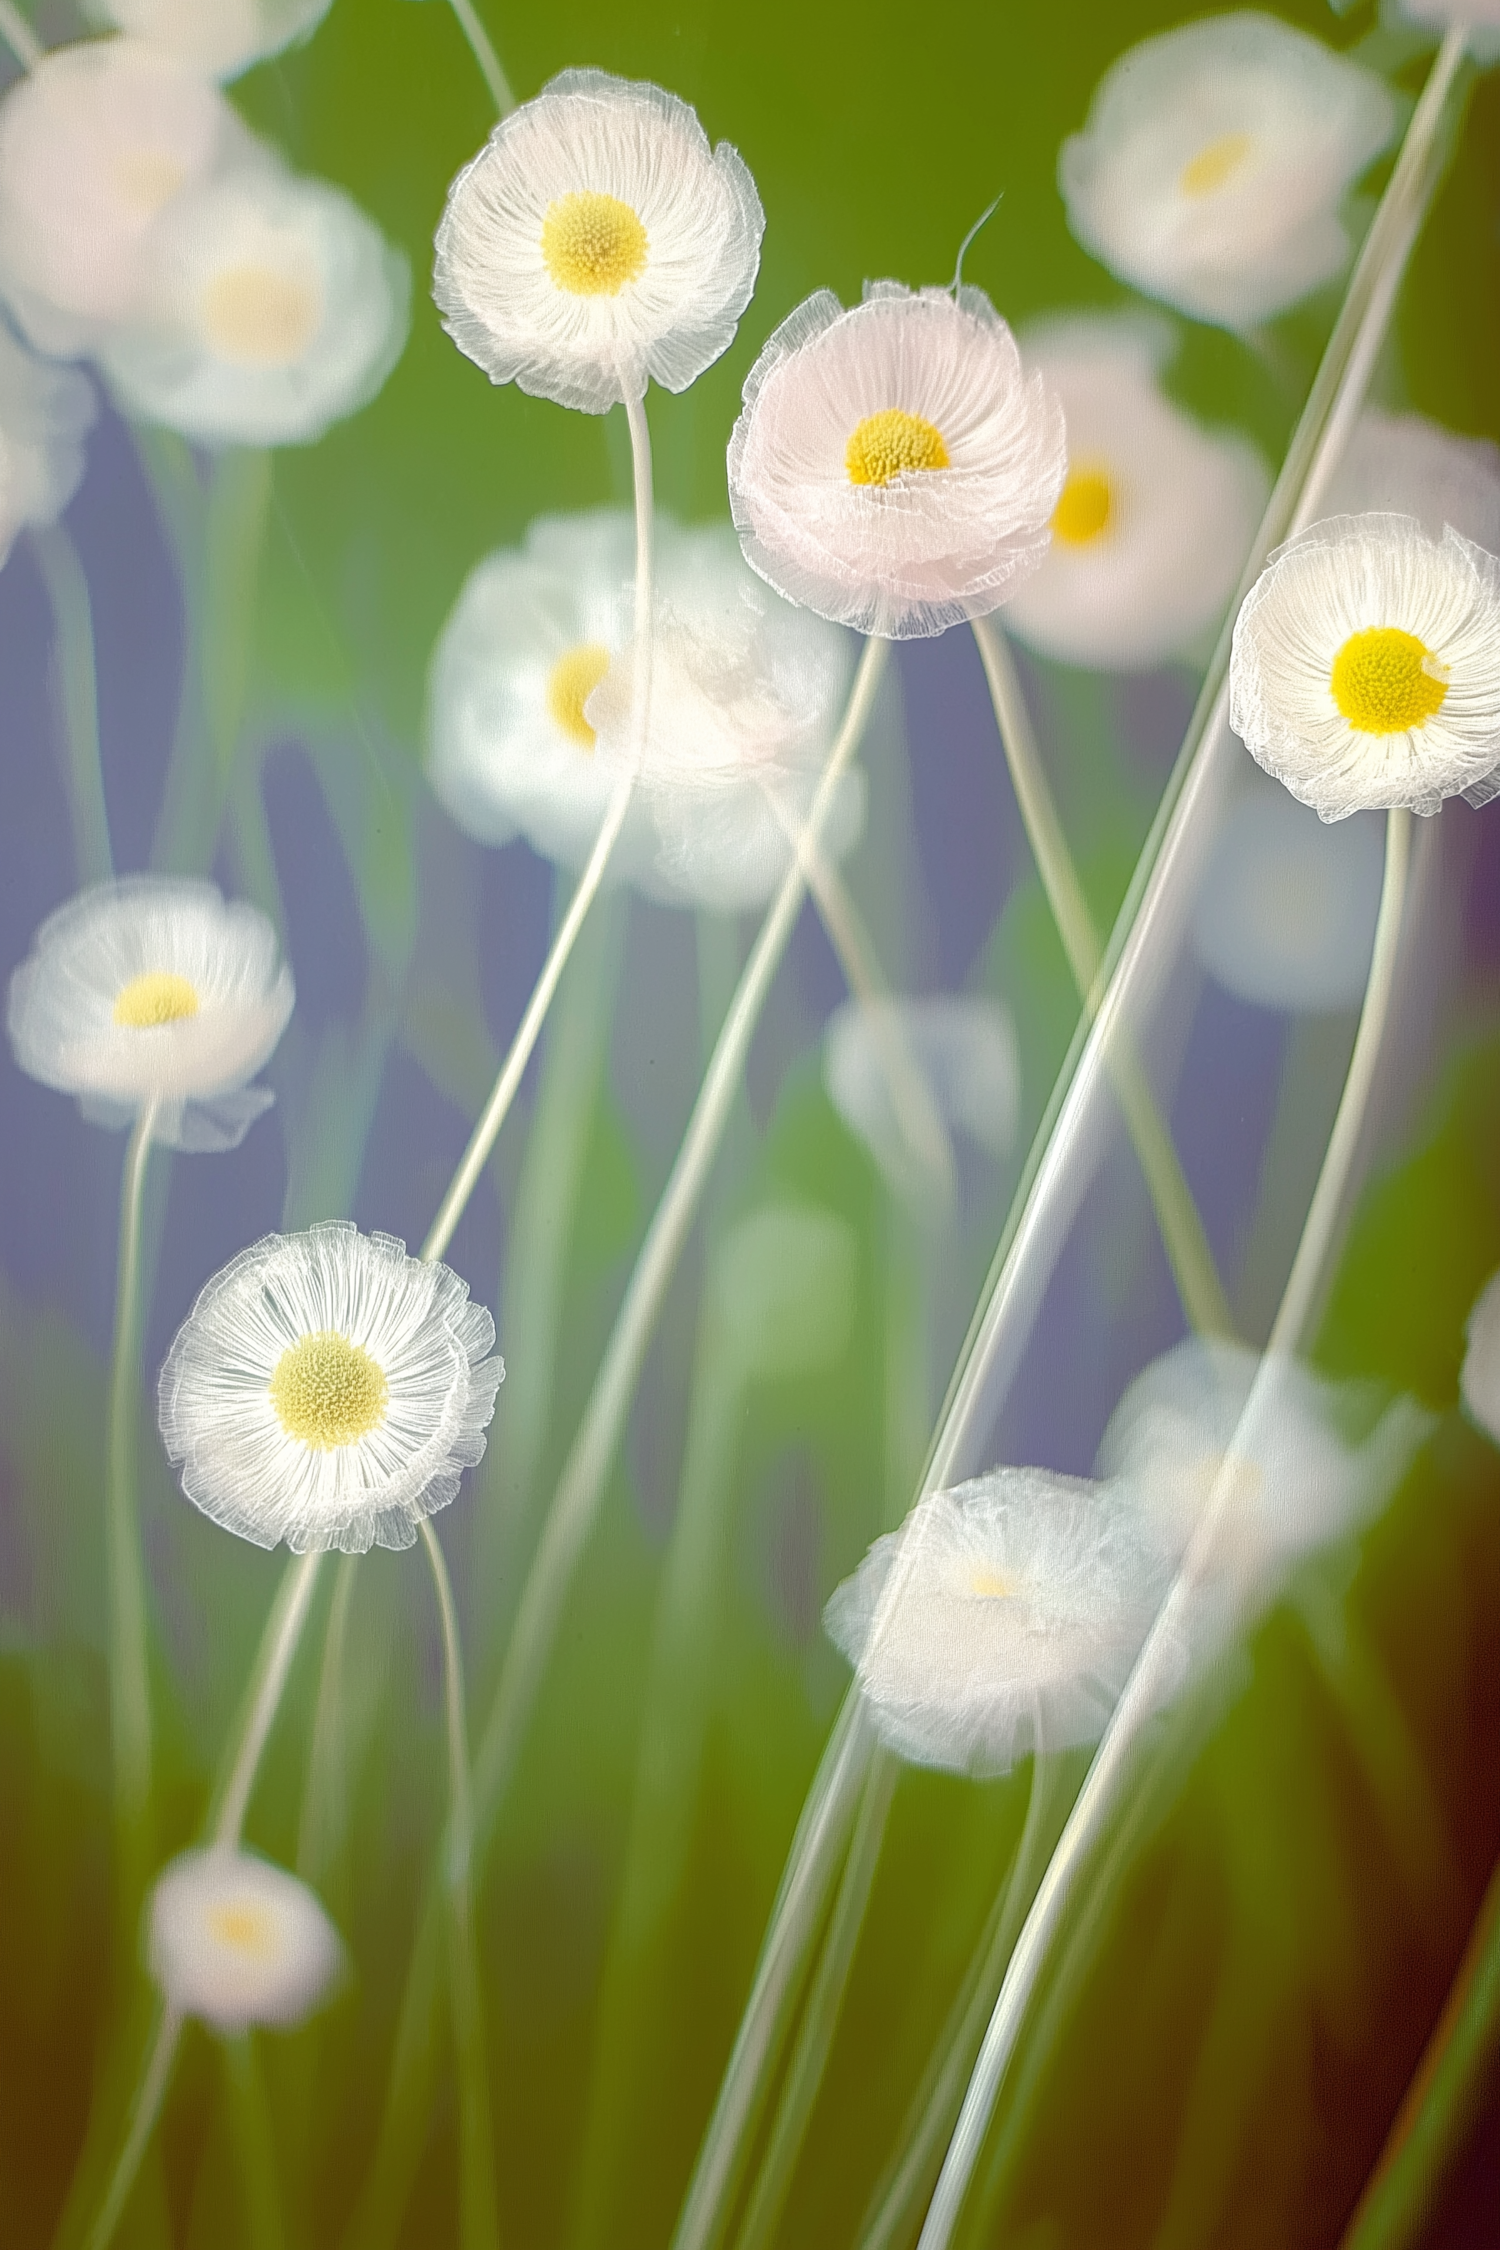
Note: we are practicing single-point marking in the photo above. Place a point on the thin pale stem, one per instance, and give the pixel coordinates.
(19, 36)
(254, 2143)
(129, 1677)
(67, 586)
(145, 2110)
(283, 1631)
(320, 1827)
(481, 46)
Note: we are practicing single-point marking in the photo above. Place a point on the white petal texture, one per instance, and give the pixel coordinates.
(894, 468)
(238, 1942)
(1003, 1617)
(269, 306)
(597, 241)
(45, 412)
(1402, 464)
(1286, 913)
(1214, 163)
(328, 1390)
(967, 1052)
(95, 144)
(1480, 1380)
(1157, 515)
(1366, 667)
(218, 37)
(153, 989)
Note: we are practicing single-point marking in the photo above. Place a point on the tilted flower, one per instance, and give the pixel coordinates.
(1402, 464)
(45, 412)
(597, 241)
(1285, 914)
(1479, 1382)
(969, 1057)
(237, 1941)
(1156, 518)
(1003, 1617)
(894, 468)
(1366, 667)
(268, 307)
(95, 144)
(220, 37)
(153, 990)
(1215, 161)
(328, 1390)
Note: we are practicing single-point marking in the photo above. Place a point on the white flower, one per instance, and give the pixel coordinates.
(328, 1390)
(893, 467)
(1406, 466)
(1003, 1617)
(597, 241)
(268, 307)
(1285, 915)
(153, 990)
(237, 1941)
(1479, 1382)
(95, 143)
(44, 414)
(1157, 515)
(219, 37)
(1366, 667)
(967, 1052)
(783, 1289)
(1214, 163)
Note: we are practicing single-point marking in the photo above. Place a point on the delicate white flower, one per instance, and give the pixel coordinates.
(597, 241)
(238, 1942)
(1480, 1379)
(1366, 667)
(328, 1390)
(1156, 518)
(152, 990)
(1286, 912)
(1215, 160)
(1003, 1617)
(44, 414)
(268, 307)
(1404, 465)
(219, 37)
(893, 467)
(967, 1052)
(95, 144)
(783, 1289)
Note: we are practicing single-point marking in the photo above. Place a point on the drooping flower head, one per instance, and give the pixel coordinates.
(220, 37)
(1003, 1617)
(969, 1057)
(45, 412)
(1215, 161)
(894, 468)
(1480, 1379)
(236, 1941)
(597, 241)
(1285, 914)
(328, 1390)
(1366, 667)
(268, 307)
(153, 990)
(1156, 518)
(1404, 465)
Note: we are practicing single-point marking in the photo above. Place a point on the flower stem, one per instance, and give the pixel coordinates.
(19, 36)
(254, 2143)
(129, 1678)
(73, 640)
(481, 46)
(324, 1813)
(273, 1662)
(145, 2110)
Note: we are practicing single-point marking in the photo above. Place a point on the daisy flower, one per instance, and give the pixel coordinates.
(219, 37)
(1404, 465)
(784, 1285)
(894, 468)
(1479, 1382)
(1003, 1617)
(1286, 913)
(44, 414)
(328, 1390)
(153, 990)
(967, 1052)
(597, 241)
(1366, 667)
(268, 307)
(1214, 163)
(95, 144)
(237, 1941)
(1156, 518)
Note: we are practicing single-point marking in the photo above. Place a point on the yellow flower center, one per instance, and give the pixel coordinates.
(593, 244)
(148, 178)
(160, 996)
(259, 318)
(888, 445)
(1084, 509)
(994, 1585)
(1386, 681)
(248, 1929)
(1213, 165)
(328, 1392)
(571, 682)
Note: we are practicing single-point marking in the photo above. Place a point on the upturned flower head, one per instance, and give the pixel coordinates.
(967, 1052)
(45, 413)
(1479, 1382)
(268, 307)
(236, 1941)
(597, 241)
(894, 468)
(328, 1390)
(1157, 515)
(1366, 667)
(1402, 464)
(1215, 161)
(153, 990)
(220, 37)
(1285, 914)
(1003, 1617)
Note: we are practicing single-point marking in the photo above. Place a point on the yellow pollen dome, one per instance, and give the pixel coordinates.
(1215, 164)
(160, 996)
(328, 1392)
(570, 683)
(1084, 509)
(889, 444)
(249, 1929)
(1386, 681)
(593, 244)
(258, 317)
(994, 1586)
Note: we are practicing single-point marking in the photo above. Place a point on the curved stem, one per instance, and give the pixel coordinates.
(144, 2112)
(19, 36)
(129, 1678)
(283, 1631)
(321, 1822)
(481, 46)
(73, 639)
